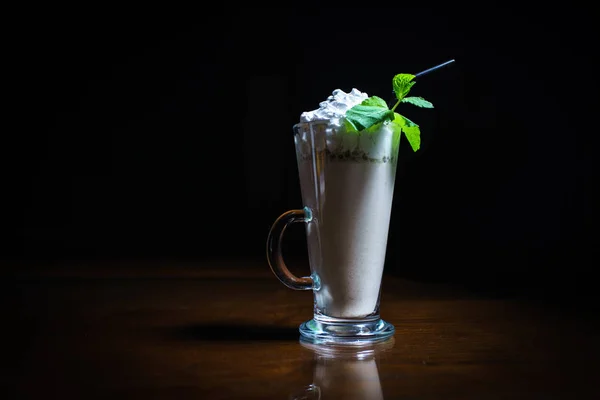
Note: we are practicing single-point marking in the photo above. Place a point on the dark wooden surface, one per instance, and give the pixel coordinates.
(229, 331)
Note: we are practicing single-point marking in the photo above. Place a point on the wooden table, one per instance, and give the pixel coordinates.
(217, 330)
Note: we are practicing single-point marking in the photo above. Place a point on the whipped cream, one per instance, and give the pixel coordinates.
(375, 145)
(335, 107)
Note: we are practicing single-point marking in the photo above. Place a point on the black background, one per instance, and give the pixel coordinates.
(154, 134)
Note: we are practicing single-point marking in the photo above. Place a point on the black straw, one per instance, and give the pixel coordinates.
(433, 68)
(428, 71)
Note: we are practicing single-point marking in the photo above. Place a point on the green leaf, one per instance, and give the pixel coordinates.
(413, 134)
(410, 129)
(403, 121)
(349, 126)
(402, 84)
(364, 117)
(417, 101)
(375, 102)
(370, 112)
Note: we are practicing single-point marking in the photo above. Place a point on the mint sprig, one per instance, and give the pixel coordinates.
(374, 110)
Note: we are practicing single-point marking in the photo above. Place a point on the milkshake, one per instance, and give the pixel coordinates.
(347, 179)
(347, 152)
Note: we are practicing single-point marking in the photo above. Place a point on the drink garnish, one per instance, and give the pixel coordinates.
(374, 110)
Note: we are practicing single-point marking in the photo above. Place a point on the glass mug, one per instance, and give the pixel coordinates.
(347, 196)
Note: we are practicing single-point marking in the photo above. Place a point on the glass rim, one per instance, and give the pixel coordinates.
(306, 126)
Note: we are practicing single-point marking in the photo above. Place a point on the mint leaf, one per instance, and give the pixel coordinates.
(402, 84)
(403, 121)
(375, 101)
(417, 101)
(410, 129)
(349, 126)
(413, 134)
(364, 117)
(368, 113)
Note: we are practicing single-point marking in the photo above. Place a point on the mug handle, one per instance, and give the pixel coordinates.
(274, 254)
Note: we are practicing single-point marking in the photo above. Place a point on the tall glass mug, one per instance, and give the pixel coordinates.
(347, 184)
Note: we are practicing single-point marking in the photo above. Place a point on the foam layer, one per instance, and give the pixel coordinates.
(335, 107)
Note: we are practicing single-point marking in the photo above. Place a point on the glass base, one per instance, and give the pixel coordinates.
(344, 331)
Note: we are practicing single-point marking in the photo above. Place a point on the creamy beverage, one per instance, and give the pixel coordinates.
(354, 229)
(353, 214)
(347, 153)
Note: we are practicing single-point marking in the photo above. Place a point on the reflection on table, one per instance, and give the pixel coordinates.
(344, 371)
